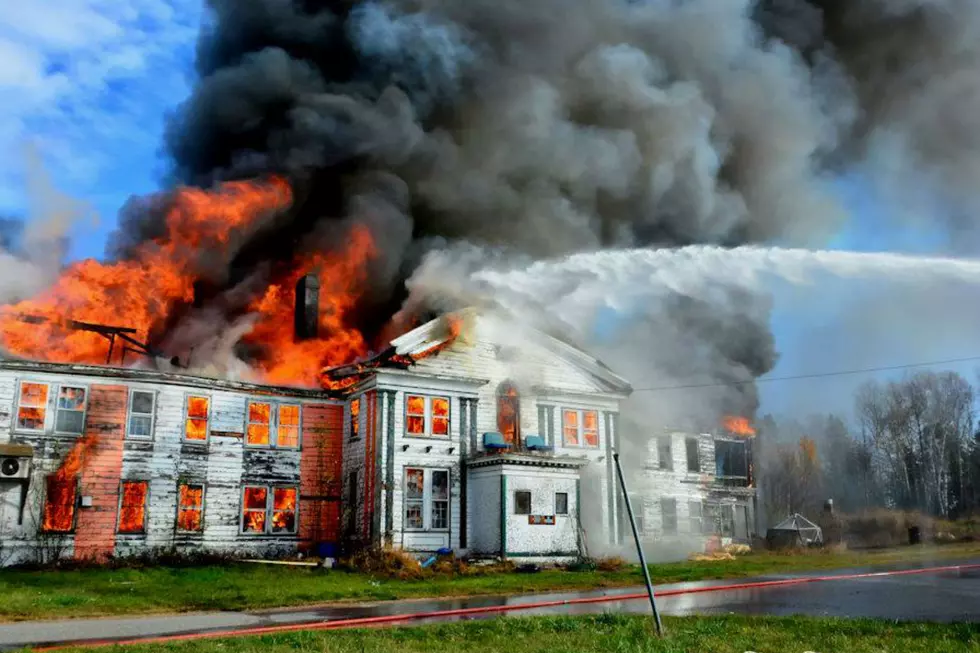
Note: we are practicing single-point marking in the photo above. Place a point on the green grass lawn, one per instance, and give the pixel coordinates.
(610, 634)
(96, 592)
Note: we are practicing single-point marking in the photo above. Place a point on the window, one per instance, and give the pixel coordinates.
(694, 516)
(196, 422)
(664, 455)
(355, 418)
(32, 406)
(287, 430)
(272, 425)
(141, 406)
(59, 504)
(728, 520)
(522, 502)
(260, 515)
(259, 431)
(668, 508)
(426, 416)
(132, 507)
(638, 505)
(580, 428)
(426, 499)
(509, 412)
(693, 455)
(254, 507)
(561, 503)
(190, 507)
(730, 459)
(711, 523)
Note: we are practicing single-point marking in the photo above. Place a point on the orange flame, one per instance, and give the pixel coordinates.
(341, 277)
(138, 292)
(738, 426)
(59, 504)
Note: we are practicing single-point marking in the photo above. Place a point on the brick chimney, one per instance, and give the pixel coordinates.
(307, 309)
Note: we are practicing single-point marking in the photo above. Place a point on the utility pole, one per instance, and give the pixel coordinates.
(639, 548)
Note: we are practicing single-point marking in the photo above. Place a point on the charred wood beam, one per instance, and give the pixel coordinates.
(107, 331)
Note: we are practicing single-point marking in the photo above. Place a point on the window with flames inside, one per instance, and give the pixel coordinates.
(426, 416)
(272, 425)
(190, 507)
(580, 428)
(269, 510)
(196, 422)
(132, 507)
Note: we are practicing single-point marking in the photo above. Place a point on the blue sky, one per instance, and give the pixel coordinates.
(86, 86)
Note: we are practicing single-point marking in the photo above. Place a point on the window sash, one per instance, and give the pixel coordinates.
(426, 511)
(522, 496)
(39, 406)
(268, 514)
(561, 503)
(668, 512)
(190, 514)
(421, 420)
(574, 430)
(693, 450)
(266, 429)
(144, 418)
(354, 418)
(258, 430)
(695, 518)
(132, 507)
(197, 427)
(664, 454)
(64, 524)
(71, 410)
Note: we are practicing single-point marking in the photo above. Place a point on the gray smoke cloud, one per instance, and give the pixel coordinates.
(542, 129)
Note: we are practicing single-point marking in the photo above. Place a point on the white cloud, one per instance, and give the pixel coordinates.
(87, 83)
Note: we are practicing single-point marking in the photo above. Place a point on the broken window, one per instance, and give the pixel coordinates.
(426, 416)
(693, 455)
(426, 499)
(509, 412)
(664, 456)
(694, 516)
(561, 503)
(580, 428)
(284, 510)
(259, 424)
(32, 406)
(70, 410)
(522, 502)
(254, 507)
(730, 459)
(190, 507)
(196, 423)
(668, 509)
(287, 430)
(141, 406)
(132, 507)
(59, 504)
(355, 417)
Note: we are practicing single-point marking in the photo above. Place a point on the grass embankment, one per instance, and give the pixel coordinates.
(58, 594)
(611, 633)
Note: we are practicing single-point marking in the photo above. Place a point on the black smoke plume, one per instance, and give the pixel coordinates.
(549, 127)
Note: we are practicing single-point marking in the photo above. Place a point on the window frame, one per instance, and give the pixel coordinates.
(687, 454)
(204, 494)
(530, 502)
(47, 406)
(273, 424)
(699, 518)
(48, 478)
(270, 489)
(582, 444)
(731, 442)
(427, 501)
(57, 396)
(428, 417)
(186, 416)
(352, 419)
(566, 511)
(130, 414)
(665, 464)
(146, 506)
(664, 502)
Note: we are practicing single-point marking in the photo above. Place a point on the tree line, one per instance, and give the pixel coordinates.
(913, 444)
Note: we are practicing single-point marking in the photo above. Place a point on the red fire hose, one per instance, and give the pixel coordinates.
(362, 622)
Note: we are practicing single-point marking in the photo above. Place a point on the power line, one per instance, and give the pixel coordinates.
(816, 375)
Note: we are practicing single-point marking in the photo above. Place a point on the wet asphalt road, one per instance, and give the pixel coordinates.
(941, 597)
